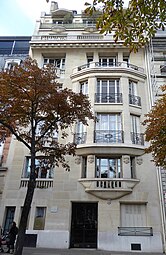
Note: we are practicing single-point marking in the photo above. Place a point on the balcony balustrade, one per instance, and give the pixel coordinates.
(109, 65)
(108, 98)
(80, 138)
(137, 138)
(107, 188)
(40, 183)
(135, 100)
(108, 136)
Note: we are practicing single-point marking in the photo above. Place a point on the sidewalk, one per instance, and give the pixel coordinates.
(46, 251)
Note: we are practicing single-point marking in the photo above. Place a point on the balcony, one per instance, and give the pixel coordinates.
(106, 188)
(134, 100)
(108, 136)
(108, 98)
(80, 138)
(40, 183)
(137, 138)
(116, 65)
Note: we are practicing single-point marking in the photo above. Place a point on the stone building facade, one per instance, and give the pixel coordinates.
(109, 200)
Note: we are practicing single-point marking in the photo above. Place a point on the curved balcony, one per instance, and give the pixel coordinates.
(108, 67)
(105, 188)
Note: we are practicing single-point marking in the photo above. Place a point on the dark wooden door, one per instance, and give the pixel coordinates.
(84, 225)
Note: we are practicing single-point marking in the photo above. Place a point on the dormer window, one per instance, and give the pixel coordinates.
(11, 63)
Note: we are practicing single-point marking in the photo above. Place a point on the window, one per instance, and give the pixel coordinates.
(133, 98)
(136, 136)
(84, 167)
(39, 221)
(108, 168)
(80, 135)
(107, 61)
(10, 211)
(84, 87)
(133, 215)
(11, 63)
(108, 91)
(89, 59)
(109, 128)
(42, 169)
(57, 62)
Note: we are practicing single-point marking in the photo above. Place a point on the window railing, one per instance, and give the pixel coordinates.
(137, 138)
(135, 231)
(108, 98)
(108, 136)
(80, 138)
(135, 100)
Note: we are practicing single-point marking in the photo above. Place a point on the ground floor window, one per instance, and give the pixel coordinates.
(39, 221)
(9, 217)
(133, 215)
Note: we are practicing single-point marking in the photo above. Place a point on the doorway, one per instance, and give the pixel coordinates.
(84, 225)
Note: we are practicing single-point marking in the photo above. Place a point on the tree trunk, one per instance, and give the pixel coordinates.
(27, 202)
(24, 218)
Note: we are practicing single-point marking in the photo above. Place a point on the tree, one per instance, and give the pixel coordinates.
(156, 130)
(32, 108)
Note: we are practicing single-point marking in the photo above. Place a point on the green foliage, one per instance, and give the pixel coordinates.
(156, 130)
(133, 25)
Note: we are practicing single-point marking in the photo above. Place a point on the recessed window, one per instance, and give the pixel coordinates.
(108, 168)
(43, 168)
(39, 221)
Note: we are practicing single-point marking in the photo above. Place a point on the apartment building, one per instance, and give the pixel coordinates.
(110, 199)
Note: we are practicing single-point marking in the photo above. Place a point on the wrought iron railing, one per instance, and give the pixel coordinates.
(135, 231)
(108, 98)
(135, 100)
(80, 138)
(108, 136)
(137, 138)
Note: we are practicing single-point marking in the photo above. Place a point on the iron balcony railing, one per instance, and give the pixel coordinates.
(137, 138)
(108, 98)
(111, 65)
(135, 100)
(108, 136)
(135, 231)
(80, 138)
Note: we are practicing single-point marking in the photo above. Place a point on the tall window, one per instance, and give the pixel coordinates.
(80, 135)
(136, 136)
(133, 215)
(108, 91)
(133, 97)
(107, 61)
(10, 211)
(84, 87)
(109, 128)
(39, 221)
(108, 168)
(43, 169)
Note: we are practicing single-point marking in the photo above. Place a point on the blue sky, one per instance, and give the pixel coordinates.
(17, 17)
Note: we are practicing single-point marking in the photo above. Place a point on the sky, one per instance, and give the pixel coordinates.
(18, 17)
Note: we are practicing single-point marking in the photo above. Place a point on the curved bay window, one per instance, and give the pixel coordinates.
(108, 168)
